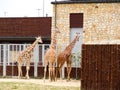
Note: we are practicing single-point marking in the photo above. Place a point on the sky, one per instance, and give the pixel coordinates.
(25, 8)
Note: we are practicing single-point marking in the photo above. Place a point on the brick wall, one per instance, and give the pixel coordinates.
(101, 21)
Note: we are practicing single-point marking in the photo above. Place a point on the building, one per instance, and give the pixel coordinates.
(98, 21)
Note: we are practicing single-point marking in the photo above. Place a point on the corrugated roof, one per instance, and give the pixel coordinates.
(25, 27)
(85, 1)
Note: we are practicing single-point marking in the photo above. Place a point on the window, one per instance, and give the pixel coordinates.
(76, 26)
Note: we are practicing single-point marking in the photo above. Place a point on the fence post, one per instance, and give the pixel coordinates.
(4, 60)
(63, 71)
(36, 59)
(43, 51)
(0, 53)
(8, 50)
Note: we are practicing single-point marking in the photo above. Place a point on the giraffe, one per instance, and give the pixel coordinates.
(65, 56)
(25, 56)
(50, 57)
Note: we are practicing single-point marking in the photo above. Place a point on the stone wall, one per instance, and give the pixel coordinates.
(101, 22)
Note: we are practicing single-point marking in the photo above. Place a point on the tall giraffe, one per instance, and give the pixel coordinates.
(65, 56)
(25, 56)
(50, 57)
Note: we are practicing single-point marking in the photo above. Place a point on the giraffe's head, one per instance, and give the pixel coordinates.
(77, 36)
(39, 39)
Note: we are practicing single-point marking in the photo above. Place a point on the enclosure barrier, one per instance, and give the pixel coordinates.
(100, 67)
(8, 61)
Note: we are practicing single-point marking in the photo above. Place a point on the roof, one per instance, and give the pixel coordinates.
(17, 27)
(85, 1)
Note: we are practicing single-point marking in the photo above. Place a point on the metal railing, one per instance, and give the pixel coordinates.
(9, 54)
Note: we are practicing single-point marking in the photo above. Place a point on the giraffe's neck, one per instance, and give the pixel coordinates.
(71, 45)
(53, 41)
(31, 47)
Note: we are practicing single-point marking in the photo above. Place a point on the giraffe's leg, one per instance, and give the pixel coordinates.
(45, 67)
(60, 72)
(53, 73)
(50, 73)
(56, 73)
(19, 70)
(45, 70)
(68, 70)
(27, 69)
(57, 70)
(53, 70)
(60, 69)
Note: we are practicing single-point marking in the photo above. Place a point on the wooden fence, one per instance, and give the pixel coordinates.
(100, 67)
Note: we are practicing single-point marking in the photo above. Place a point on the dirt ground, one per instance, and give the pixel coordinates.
(72, 83)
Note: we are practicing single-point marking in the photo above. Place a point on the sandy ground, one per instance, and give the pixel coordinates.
(72, 83)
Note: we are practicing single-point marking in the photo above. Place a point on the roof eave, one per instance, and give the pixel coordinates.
(80, 2)
(23, 38)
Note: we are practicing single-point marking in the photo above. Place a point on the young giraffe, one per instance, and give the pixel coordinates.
(65, 56)
(25, 56)
(50, 57)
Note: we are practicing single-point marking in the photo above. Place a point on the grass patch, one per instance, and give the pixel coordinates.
(31, 86)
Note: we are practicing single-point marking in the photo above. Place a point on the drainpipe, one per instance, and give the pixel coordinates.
(55, 13)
